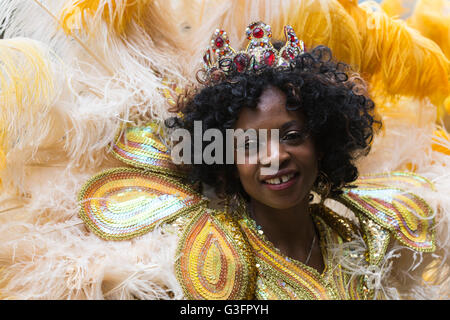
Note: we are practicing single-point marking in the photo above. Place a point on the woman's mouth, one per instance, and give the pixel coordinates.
(281, 182)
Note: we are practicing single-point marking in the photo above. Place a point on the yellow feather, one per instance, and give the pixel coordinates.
(432, 19)
(441, 141)
(447, 105)
(153, 17)
(397, 8)
(328, 24)
(26, 89)
(23, 65)
(116, 13)
(399, 59)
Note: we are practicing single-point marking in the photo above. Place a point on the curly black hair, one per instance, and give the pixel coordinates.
(339, 114)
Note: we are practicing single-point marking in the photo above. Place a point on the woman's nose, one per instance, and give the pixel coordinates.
(274, 152)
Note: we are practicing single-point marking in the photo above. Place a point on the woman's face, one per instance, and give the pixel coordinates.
(295, 153)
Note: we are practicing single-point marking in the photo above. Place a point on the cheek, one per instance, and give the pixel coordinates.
(246, 174)
(310, 158)
(307, 156)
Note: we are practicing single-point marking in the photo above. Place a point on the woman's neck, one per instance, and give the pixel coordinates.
(291, 230)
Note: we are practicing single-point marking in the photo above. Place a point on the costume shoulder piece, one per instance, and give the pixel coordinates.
(385, 208)
(122, 203)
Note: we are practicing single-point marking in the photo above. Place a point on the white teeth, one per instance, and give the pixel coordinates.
(274, 181)
(282, 179)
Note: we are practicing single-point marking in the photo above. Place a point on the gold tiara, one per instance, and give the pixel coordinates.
(258, 54)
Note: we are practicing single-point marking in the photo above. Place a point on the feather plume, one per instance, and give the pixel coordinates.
(157, 20)
(47, 252)
(430, 17)
(398, 58)
(92, 102)
(116, 13)
(28, 88)
(432, 20)
(398, 8)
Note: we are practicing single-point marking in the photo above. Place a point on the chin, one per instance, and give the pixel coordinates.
(281, 203)
(279, 206)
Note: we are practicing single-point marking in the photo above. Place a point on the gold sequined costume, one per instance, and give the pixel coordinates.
(84, 88)
(221, 254)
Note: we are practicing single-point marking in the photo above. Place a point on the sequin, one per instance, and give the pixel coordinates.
(220, 258)
(396, 179)
(122, 203)
(214, 262)
(376, 237)
(280, 277)
(382, 200)
(143, 147)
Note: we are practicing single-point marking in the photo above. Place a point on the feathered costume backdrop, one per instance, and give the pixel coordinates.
(75, 72)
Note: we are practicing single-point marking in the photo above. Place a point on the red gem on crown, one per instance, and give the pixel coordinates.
(219, 42)
(241, 62)
(258, 33)
(269, 58)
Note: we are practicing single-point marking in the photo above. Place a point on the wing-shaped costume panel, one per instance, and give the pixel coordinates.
(123, 203)
(384, 199)
(143, 147)
(214, 261)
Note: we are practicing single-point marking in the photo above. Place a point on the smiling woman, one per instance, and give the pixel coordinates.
(319, 223)
(324, 121)
(280, 201)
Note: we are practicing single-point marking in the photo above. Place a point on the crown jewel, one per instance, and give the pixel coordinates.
(258, 54)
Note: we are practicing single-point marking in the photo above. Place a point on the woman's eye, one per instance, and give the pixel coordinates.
(248, 145)
(294, 137)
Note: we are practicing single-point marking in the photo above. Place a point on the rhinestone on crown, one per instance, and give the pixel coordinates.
(258, 54)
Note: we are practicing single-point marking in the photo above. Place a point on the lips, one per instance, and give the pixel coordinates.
(280, 181)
